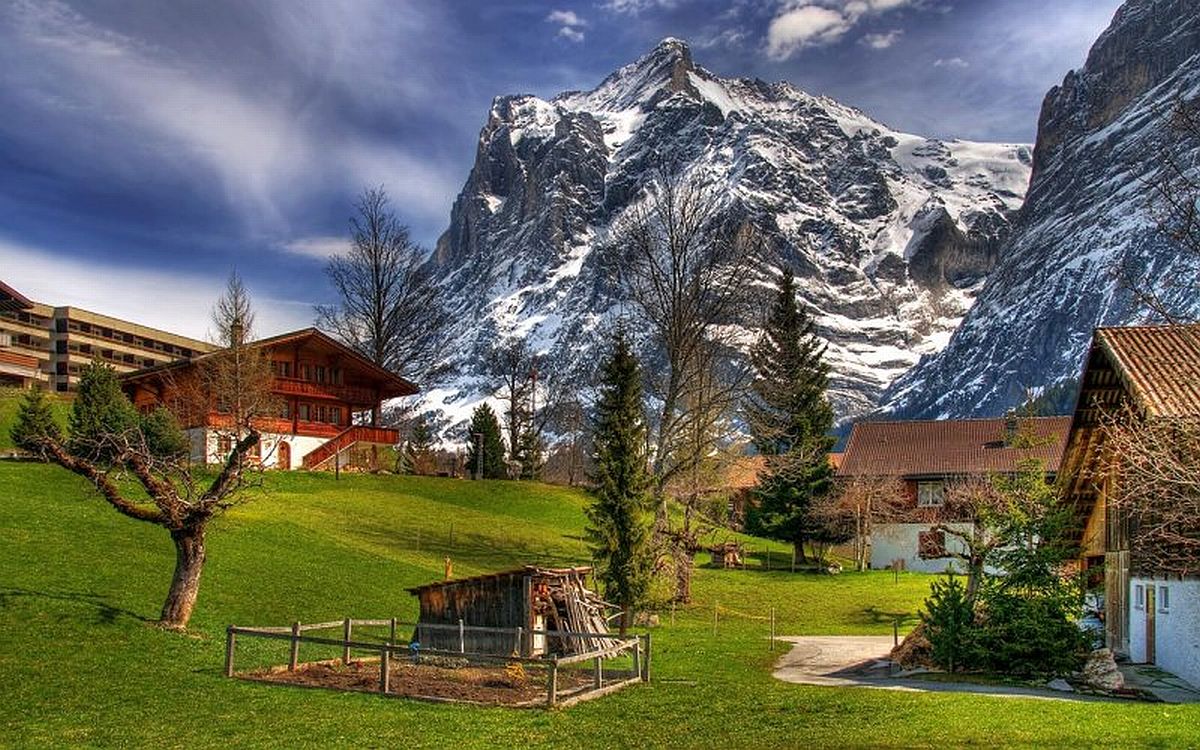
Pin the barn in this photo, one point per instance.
(529, 611)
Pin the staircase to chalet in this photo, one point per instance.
(347, 438)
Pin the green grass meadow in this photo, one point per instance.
(81, 665)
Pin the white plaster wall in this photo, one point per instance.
(1176, 631)
(204, 447)
(893, 541)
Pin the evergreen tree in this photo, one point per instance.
(35, 422)
(485, 424)
(420, 447)
(101, 413)
(529, 453)
(162, 433)
(619, 518)
(790, 419)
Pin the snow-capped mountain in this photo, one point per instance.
(890, 234)
(1087, 228)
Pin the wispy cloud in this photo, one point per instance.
(882, 40)
(951, 62)
(320, 247)
(814, 23)
(570, 24)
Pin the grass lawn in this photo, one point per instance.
(79, 665)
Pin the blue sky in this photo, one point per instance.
(146, 148)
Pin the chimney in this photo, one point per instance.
(1011, 427)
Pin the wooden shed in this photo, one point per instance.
(520, 611)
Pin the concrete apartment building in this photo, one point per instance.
(46, 347)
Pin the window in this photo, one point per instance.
(320, 374)
(1139, 597)
(320, 413)
(224, 445)
(335, 415)
(930, 494)
(1164, 599)
(304, 412)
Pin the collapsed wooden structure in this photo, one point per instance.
(530, 611)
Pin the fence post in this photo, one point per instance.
(637, 656)
(772, 629)
(768, 558)
(520, 641)
(392, 633)
(715, 606)
(385, 683)
(552, 684)
(462, 637)
(230, 644)
(646, 661)
(347, 627)
(672, 611)
(294, 656)
(895, 632)
(598, 674)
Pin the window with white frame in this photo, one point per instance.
(1164, 599)
(930, 494)
(1139, 597)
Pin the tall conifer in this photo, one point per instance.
(485, 433)
(790, 419)
(619, 519)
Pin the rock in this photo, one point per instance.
(1060, 685)
(1101, 673)
(833, 569)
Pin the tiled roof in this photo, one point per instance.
(949, 447)
(1160, 365)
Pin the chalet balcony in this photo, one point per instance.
(347, 394)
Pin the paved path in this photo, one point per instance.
(861, 661)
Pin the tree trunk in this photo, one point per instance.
(626, 617)
(798, 549)
(185, 583)
(683, 574)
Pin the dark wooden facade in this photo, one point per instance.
(528, 598)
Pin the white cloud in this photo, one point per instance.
(633, 7)
(320, 247)
(882, 40)
(813, 23)
(951, 62)
(570, 24)
(180, 303)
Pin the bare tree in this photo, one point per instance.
(862, 502)
(389, 307)
(1157, 465)
(170, 492)
(688, 269)
(514, 366)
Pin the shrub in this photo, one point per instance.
(949, 625)
(1029, 634)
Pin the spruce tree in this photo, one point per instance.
(790, 419)
(619, 518)
(485, 424)
(100, 414)
(35, 422)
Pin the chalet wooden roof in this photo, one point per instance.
(11, 299)
(948, 447)
(1159, 366)
(398, 386)
(522, 571)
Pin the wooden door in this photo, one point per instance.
(283, 459)
(1151, 610)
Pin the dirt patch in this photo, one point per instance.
(492, 685)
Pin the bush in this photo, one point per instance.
(1029, 635)
(950, 625)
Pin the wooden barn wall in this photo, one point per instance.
(496, 603)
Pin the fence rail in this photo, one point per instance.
(637, 646)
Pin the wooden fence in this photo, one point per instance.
(611, 647)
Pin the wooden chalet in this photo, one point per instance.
(1155, 372)
(329, 399)
(514, 611)
(926, 455)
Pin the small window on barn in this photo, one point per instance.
(1139, 597)
(1164, 599)
(931, 544)
(930, 494)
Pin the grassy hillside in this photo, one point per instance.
(79, 664)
